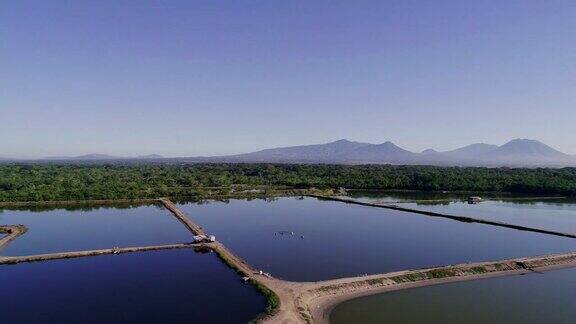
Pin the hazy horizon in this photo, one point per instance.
(255, 150)
(214, 78)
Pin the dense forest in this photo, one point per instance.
(44, 182)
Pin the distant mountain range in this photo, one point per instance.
(518, 153)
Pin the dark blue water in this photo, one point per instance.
(404, 196)
(176, 286)
(60, 230)
(534, 298)
(549, 214)
(428, 197)
(342, 240)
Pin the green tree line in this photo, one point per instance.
(46, 182)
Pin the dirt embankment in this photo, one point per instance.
(193, 227)
(13, 232)
(464, 219)
(320, 298)
(88, 253)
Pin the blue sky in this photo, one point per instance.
(184, 78)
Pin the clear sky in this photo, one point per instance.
(186, 78)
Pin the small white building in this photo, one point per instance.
(474, 200)
(204, 238)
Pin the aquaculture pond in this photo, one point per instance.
(175, 286)
(428, 197)
(310, 239)
(87, 228)
(533, 298)
(402, 196)
(554, 215)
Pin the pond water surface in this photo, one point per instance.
(402, 196)
(60, 230)
(334, 239)
(549, 214)
(533, 298)
(171, 286)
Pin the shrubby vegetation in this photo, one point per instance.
(44, 182)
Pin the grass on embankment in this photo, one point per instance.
(272, 298)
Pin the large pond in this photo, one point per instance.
(60, 230)
(549, 214)
(333, 239)
(176, 286)
(403, 196)
(440, 198)
(533, 298)
(553, 215)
